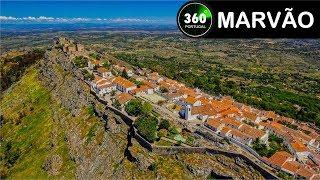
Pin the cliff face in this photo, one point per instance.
(58, 75)
(46, 117)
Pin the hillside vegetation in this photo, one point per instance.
(34, 143)
(13, 65)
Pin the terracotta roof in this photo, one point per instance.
(173, 95)
(102, 82)
(305, 137)
(124, 97)
(264, 124)
(102, 70)
(279, 158)
(298, 146)
(204, 110)
(188, 91)
(140, 89)
(204, 100)
(96, 62)
(307, 173)
(231, 110)
(150, 84)
(214, 123)
(190, 100)
(239, 134)
(154, 76)
(276, 125)
(291, 166)
(123, 82)
(270, 114)
(286, 119)
(154, 73)
(250, 115)
(230, 122)
(225, 129)
(251, 131)
(220, 105)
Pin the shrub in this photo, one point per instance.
(90, 110)
(164, 124)
(80, 61)
(153, 167)
(124, 74)
(87, 75)
(106, 64)
(162, 133)
(113, 93)
(116, 104)
(95, 56)
(173, 130)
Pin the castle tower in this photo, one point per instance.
(187, 112)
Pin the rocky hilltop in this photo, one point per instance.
(50, 130)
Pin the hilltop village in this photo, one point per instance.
(280, 143)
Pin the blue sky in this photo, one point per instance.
(142, 10)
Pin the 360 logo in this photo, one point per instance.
(195, 19)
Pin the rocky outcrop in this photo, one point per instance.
(198, 171)
(53, 165)
(59, 75)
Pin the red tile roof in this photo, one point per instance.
(190, 100)
(124, 97)
(292, 166)
(225, 129)
(214, 123)
(238, 134)
(123, 82)
(279, 158)
(305, 172)
(298, 146)
(203, 110)
(231, 110)
(230, 122)
(251, 131)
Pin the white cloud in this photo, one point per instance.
(44, 19)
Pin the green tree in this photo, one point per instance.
(116, 104)
(146, 108)
(87, 75)
(163, 89)
(106, 64)
(124, 74)
(147, 126)
(260, 148)
(135, 107)
(113, 92)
